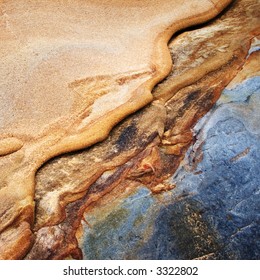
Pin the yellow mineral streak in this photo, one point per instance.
(71, 70)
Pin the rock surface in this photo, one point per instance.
(144, 192)
(212, 212)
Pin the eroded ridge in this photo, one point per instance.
(70, 72)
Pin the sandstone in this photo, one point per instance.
(71, 73)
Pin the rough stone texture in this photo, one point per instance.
(70, 71)
(160, 187)
(144, 151)
(213, 213)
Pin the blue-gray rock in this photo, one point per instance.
(214, 211)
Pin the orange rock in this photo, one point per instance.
(71, 70)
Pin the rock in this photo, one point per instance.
(212, 211)
(125, 191)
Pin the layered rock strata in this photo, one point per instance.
(212, 211)
(43, 217)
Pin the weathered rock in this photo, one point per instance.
(213, 210)
(68, 76)
(212, 213)
(147, 147)
(120, 193)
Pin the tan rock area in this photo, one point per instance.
(71, 71)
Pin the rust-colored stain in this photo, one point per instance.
(144, 148)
